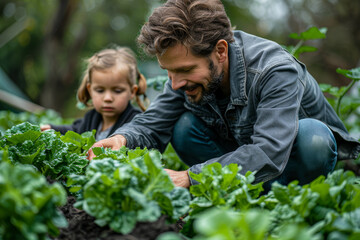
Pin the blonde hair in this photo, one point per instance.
(108, 58)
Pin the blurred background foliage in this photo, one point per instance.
(43, 44)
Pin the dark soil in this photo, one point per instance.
(82, 226)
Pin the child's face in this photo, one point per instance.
(110, 93)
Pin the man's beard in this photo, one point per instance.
(208, 95)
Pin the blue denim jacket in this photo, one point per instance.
(270, 92)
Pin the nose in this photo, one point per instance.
(108, 96)
(177, 82)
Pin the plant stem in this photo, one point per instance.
(297, 47)
(342, 95)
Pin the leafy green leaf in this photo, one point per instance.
(310, 34)
(353, 74)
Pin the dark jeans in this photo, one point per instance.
(314, 152)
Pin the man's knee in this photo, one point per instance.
(188, 131)
(183, 128)
(316, 146)
(194, 141)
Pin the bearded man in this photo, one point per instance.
(232, 97)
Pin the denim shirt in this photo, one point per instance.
(270, 92)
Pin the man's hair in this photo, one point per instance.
(197, 24)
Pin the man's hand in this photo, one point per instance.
(179, 178)
(114, 142)
(45, 127)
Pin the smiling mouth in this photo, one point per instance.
(191, 90)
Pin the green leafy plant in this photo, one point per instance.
(131, 188)
(251, 224)
(224, 186)
(158, 82)
(345, 105)
(28, 204)
(323, 204)
(312, 33)
(9, 119)
(219, 186)
(171, 160)
(53, 155)
(231, 225)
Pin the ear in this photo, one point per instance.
(134, 90)
(88, 87)
(221, 50)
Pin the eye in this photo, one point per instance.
(99, 90)
(187, 69)
(118, 90)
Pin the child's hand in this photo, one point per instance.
(45, 127)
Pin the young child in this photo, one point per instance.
(110, 81)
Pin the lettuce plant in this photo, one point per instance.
(224, 186)
(329, 205)
(28, 203)
(218, 223)
(53, 155)
(131, 188)
(219, 186)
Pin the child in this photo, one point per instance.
(111, 80)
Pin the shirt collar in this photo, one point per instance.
(237, 75)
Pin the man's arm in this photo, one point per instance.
(153, 128)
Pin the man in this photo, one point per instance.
(233, 97)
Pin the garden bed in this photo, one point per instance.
(82, 227)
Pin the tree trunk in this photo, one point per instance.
(60, 58)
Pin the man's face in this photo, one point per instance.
(199, 77)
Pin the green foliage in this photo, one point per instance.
(53, 155)
(221, 187)
(157, 83)
(251, 224)
(353, 74)
(132, 187)
(224, 186)
(327, 208)
(74, 25)
(171, 160)
(28, 204)
(123, 187)
(311, 34)
(320, 204)
(9, 119)
(169, 157)
(230, 225)
(346, 105)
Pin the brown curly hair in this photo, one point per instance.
(197, 24)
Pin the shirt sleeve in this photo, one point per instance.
(64, 128)
(153, 128)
